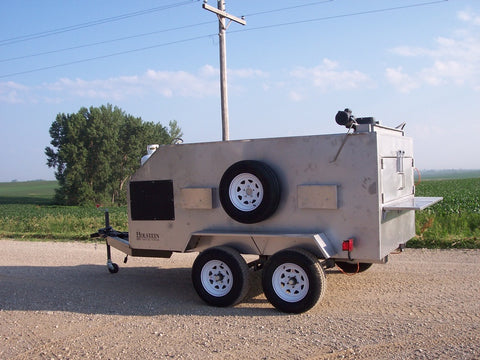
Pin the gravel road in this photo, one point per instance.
(58, 301)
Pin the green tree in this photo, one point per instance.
(95, 150)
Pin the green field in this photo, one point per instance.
(27, 212)
(30, 192)
(454, 222)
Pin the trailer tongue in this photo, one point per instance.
(301, 204)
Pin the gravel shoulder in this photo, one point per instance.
(58, 301)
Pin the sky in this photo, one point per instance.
(290, 69)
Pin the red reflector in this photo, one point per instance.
(347, 245)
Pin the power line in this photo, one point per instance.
(341, 16)
(156, 32)
(42, 34)
(106, 41)
(288, 8)
(107, 55)
(234, 31)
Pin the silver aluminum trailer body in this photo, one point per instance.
(329, 189)
(353, 196)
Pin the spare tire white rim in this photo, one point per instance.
(246, 192)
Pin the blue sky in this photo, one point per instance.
(290, 69)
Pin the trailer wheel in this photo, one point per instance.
(352, 268)
(249, 191)
(293, 280)
(220, 276)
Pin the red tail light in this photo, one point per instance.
(347, 245)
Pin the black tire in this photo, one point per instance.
(293, 280)
(249, 191)
(352, 268)
(220, 276)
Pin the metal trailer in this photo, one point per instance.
(301, 204)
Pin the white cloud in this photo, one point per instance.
(208, 71)
(453, 60)
(112, 88)
(295, 96)
(246, 73)
(180, 83)
(12, 92)
(403, 82)
(408, 51)
(469, 17)
(328, 76)
(203, 83)
(449, 71)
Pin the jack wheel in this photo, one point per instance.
(112, 268)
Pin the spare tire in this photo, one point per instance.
(249, 191)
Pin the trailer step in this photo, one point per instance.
(411, 203)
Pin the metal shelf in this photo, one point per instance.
(411, 203)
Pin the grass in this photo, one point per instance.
(29, 192)
(454, 222)
(27, 212)
(49, 222)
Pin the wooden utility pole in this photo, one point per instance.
(222, 28)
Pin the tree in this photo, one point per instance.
(96, 150)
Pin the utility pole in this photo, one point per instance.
(222, 28)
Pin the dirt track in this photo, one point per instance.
(58, 301)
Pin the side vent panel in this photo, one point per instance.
(152, 200)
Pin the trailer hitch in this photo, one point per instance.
(106, 232)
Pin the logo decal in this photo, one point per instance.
(147, 236)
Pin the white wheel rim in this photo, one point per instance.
(290, 282)
(217, 278)
(246, 192)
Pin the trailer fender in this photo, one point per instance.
(262, 243)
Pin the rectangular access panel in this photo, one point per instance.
(152, 200)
